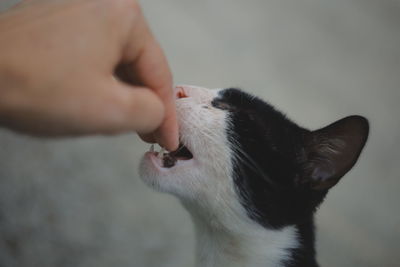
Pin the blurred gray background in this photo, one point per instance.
(80, 202)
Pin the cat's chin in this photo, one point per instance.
(158, 163)
(164, 178)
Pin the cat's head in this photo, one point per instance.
(242, 159)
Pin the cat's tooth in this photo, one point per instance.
(152, 148)
(161, 153)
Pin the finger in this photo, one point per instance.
(125, 73)
(149, 68)
(142, 111)
(122, 108)
(148, 138)
(100, 107)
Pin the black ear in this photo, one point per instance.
(332, 151)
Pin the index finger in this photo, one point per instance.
(149, 67)
(152, 70)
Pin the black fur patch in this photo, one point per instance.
(282, 172)
(268, 157)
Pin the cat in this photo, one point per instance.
(251, 178)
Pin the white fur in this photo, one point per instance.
(225, 234)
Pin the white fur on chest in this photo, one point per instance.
(264, 248)
(223, 241)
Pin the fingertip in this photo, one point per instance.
(167, 135)
(148, 138)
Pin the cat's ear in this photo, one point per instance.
(332, 151)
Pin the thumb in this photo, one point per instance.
(131, 108)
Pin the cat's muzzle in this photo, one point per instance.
(169, 159)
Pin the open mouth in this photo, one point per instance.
(169, 159)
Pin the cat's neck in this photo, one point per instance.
(237, 243)
(250, 247)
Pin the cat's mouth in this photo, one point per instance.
(170, 159)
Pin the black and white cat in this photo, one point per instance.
(250, 178)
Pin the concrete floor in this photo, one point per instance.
(80, 202)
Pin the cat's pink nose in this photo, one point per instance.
(180, 92)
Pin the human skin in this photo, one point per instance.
(82, 67)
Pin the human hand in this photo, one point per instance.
(58, 61)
